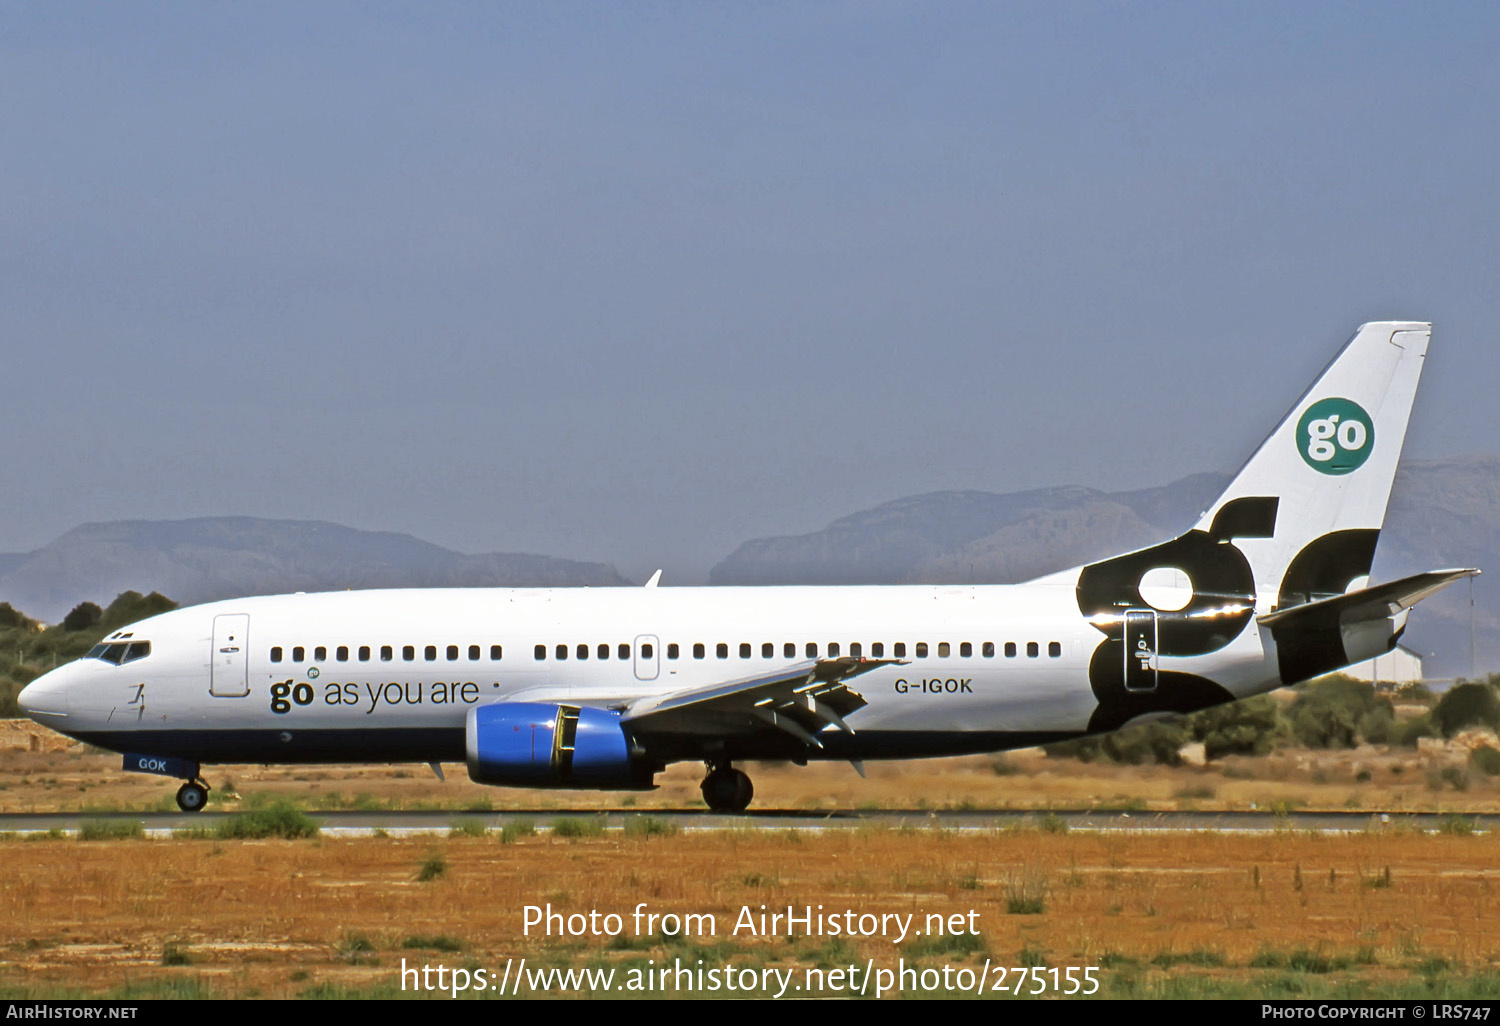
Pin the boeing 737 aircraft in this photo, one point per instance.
(603, 688)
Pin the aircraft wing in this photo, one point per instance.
(800, 700)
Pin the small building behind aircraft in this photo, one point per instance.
(1399, 666)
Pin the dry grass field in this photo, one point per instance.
(44, 772)
(1190, 915)
(1388, 912)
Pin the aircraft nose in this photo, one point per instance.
(47, 695)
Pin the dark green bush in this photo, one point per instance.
(1338, 712)
(1466, 705)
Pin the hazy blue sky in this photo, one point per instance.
(636, 282)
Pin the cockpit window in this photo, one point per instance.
(110, 653)
(120, 652)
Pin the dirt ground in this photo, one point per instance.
(1389, 912)
(1395, 913)
(41, 771)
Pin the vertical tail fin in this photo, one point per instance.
(1295, 528)
(1306, 509)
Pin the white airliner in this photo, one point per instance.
(602, 688)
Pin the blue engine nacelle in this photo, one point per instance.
(535, 744)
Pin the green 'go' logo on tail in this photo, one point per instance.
(1335, 436)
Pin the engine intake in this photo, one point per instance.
(534, 744)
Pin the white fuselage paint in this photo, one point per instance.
(170, 689)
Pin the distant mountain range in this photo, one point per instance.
(1442, 514)
(223, 557)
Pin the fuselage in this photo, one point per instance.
(391, 675)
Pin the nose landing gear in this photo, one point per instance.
(726, 789)
(192, 796)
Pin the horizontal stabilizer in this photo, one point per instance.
(1331, 633)
(1381, 601)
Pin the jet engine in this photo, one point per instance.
(536, 744)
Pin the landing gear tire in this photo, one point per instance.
(727, 790)
(191, 797)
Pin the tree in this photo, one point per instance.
(1466, 705)
(83, 616)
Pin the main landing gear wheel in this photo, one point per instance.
(727, 790)
(191, 797)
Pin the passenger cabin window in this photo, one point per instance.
(812, 650)
(495, 653)
(833, 648)
(603, 650)
(877, 649)
(672, 650)
(453, 653)
(583, 651)
(320, 653)
(855, 650)
(276, 654)
(698, 651)
(409, 653)
(722, 650)
(965, 649)
(473, 653)
(899, 650)
(767, 650)
(744, 650)
(989, 649)
(1010, 650)
(342, 653)
(430, 653)
(1054, 649)
(297, 654)
(387, 653)
(921, 650)
(789, 650)
(942, 649)
(562, 651)
(624, 650)
(647, 650)
(364, 653)
(541, 653)
(1033, 649)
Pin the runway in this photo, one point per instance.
(404, 822)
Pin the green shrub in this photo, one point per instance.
(280, 818)
(111, 830)
(572, 827)
(1486, 760)
(440, 943)
(1467, 705)
(1250, 727)
(650, 826)
(1407, 732)
(466, 826)
(1339, 712)
(433, 867)
(515, 829)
